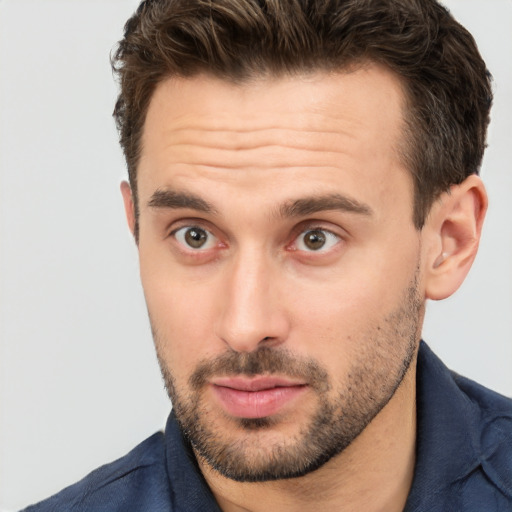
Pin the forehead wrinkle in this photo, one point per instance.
(314, 140)
(322, 150)
(265, 157)
(265, 121)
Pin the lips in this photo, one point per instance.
(257, 397)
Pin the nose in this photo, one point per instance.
(251, 311)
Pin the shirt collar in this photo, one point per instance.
(189, 490)
(448, 441)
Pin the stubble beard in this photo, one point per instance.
(385, 355)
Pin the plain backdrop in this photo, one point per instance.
(79, 383)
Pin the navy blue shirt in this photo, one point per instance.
(463, 463)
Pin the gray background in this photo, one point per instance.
(79, 384)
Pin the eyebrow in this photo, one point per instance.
(309, 205)
(172, 199)
(165, 198)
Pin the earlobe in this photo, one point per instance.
(453, 230)
(129, 207)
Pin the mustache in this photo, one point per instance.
(264, 361)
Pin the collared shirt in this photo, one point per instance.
(463, 462)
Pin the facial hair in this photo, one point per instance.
(341, 412)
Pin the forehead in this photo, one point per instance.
(317, 127)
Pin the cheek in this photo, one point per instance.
(329, 323)
(346, 300)
(340, 315)
(181, 317)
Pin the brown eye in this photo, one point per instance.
(314, 240)
(194, 237)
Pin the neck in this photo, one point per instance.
(373, 474)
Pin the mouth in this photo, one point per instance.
(256, 397)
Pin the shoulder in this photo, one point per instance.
(137, 480)
(490, 402)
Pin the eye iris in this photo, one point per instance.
(195, 237)
(314, 240)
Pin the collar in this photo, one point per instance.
(189, 490)
(456, 434)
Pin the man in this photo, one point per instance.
(302, 177)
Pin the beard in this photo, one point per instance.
(342, 410)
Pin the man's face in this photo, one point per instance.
(279, 261)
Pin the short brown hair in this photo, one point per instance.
(448, 88)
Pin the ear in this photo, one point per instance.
(453, 229)
(129, 207)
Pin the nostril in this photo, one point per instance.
(269, 341)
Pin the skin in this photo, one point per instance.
(248, 152)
